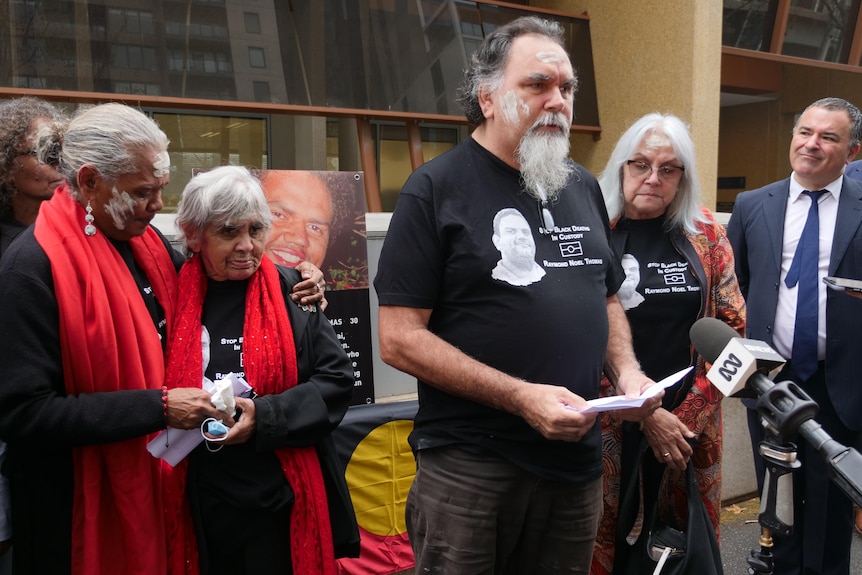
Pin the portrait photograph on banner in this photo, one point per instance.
(319, 217)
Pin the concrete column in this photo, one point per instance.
(654, 56)
(298, 142)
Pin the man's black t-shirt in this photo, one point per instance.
(441, 253)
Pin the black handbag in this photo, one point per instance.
(691, 549)
(690, 552)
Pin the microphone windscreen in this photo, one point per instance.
(710, 336)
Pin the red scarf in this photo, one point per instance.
(269, 356)
(108, 343)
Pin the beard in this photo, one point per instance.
(543, 157)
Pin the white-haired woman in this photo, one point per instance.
(685, 268)
(86, 301)
(259, 497)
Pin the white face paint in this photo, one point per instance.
(549, 57)
(162, 165)
(121, 208)
(512, 107)
(656, 140)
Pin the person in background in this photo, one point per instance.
(260, 502)
(685, 271)
(854, 171)
(509, 470)
(786, 237)
(24, 184)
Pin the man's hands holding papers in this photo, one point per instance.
(667, 435)
(634, 401)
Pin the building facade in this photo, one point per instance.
(371, 84)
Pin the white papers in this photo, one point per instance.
(173, 445)
(622, 402)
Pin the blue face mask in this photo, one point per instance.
(214, 427)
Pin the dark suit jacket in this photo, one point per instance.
(854, 170)
(756, 232)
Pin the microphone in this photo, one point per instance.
(734, 359)
(784, 408)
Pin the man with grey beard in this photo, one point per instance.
(508, 466)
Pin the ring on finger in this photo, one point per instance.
(666, 454)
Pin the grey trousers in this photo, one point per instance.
(478, 514)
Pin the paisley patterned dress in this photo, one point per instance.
(700, 409)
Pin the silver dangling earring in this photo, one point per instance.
(89, 228)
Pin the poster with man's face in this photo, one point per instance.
(319, 217)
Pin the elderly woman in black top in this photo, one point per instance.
(679, 268)
(86, 294)
(259, 499)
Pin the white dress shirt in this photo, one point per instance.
(795, 215)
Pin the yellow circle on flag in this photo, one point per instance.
(379, 476)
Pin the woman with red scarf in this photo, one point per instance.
(269, 498)
(86, 299)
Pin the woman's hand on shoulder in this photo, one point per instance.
(312, 287)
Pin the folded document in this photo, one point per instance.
(623, 402)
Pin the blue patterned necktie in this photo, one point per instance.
(803, 271)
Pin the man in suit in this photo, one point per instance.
(765, 230)
(854, 170)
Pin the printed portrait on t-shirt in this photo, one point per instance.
(628, 294)
(513, 238)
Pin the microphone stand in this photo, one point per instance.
(785, 410)
(781, 410)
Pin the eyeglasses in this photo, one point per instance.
(642, 170)
(27, 153)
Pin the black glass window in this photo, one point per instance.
(819, 30)
(748, 23)
(395, 56)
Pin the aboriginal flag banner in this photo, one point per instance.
(379, 466)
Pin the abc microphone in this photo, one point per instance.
(784, 408)
(734, 359)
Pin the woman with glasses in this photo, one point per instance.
(682, 266)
